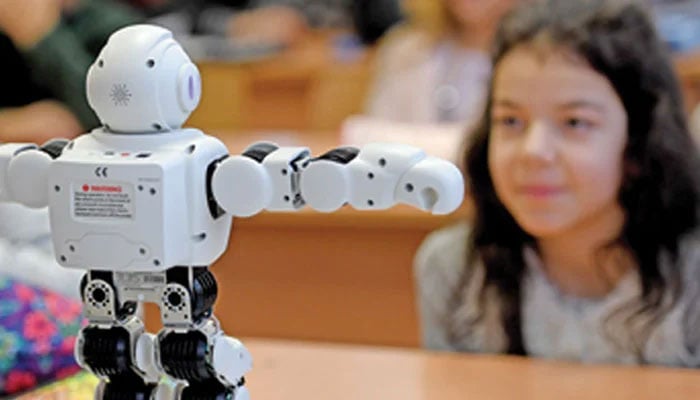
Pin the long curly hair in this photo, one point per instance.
(661, 186)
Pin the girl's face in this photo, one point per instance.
(475, 13)
(557, 139)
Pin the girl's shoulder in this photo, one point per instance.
(445, 275)
(442, 256)
(445, 246)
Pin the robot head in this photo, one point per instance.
(143, 81)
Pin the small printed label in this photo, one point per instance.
(154, 279)
(103, 200)
(139, 280)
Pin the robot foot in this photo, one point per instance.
(212, 390)
(206, 390)
(131, 388)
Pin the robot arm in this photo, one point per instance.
(379, 176)
(265, 176)
(375, 177)
(24, 169)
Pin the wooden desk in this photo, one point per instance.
(313, 371)
(287, 370)
(305, 87)
(343, 277)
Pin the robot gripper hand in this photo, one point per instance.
(374, 177)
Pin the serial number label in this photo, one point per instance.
(140, 281)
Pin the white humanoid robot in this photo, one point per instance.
(145, 206)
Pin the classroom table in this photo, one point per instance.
(342, 277)
(290, 370)
(313, 85)
(310, 371)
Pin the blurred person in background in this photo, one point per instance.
(435, 67)
(431, 76)
(46, 47)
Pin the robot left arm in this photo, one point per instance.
(24, 171)
(376, 176)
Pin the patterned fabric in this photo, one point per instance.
(80, 386)
(38, 329)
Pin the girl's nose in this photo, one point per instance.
(539, 143)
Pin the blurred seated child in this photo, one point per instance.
(431, 76)
(435, 68)
(46, 47)
(586, 243)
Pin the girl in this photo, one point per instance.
(585, 244)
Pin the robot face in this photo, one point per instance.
(143, 81)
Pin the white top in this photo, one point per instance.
(419, 80)
(554, 325)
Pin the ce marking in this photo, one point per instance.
(101, 172)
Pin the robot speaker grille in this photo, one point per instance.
(120, 95)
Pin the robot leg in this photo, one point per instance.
(191, 347)
(114, 345)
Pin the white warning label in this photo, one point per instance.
(103, 200)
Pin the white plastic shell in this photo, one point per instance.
(136, 202)
(7, 153)
(244, 187)
(142, 81)
(382, 175)
(231, 359)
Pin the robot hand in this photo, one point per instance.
(376, 177)
(24, 169)
(7, 153)
(379, 176)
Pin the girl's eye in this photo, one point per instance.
(509, 122)
(578, 124)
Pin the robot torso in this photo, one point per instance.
(126, 202)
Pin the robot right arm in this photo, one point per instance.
(374, 177)
(24, 171)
